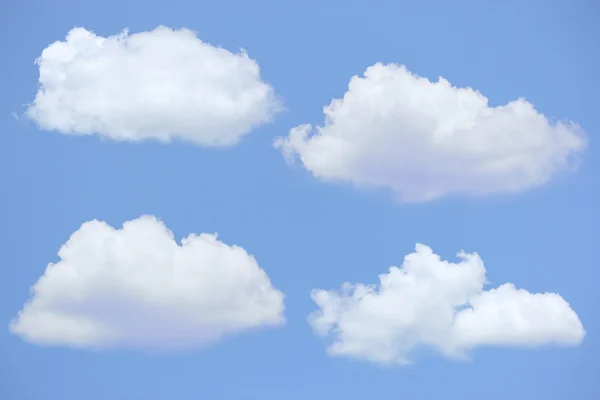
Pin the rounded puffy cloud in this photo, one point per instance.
(425, 140)
(162, 84)
(432, 303)
(136, 287)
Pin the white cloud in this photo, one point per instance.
(431, 303)
(162, 84)
(425, 140)
(136, 287)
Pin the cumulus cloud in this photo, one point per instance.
(424, 140)
(137, 287)
(436, 304)
(160, 85)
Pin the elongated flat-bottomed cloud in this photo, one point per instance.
(137, 287)
(436, 304)
(160, 85)
(424, 140)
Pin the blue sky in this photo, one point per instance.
(305, 232)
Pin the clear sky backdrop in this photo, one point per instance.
(306, 233)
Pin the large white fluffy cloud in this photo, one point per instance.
(160, 85)
(435, 304)
(137, 287)
(425, 140)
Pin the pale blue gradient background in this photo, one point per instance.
(305, 233)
